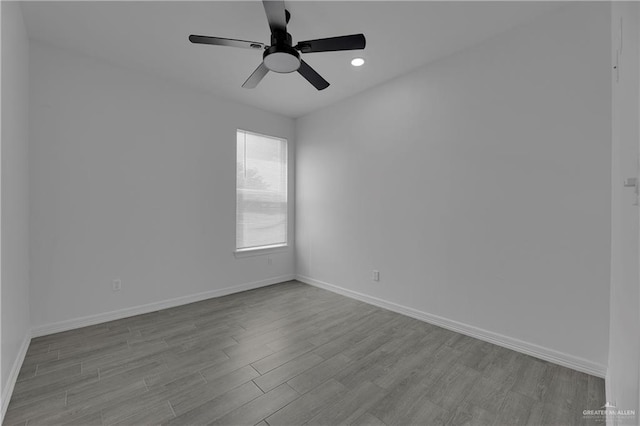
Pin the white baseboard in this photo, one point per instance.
(71, 324)
(556, 357)
(7, 390)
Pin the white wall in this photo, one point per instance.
(133, 178)
(624, 347)
(478, 185)
(15, 212)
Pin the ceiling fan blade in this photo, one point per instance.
(219, 41)
(275, 15)
(332, 44)
(256, 76)
(312, 76)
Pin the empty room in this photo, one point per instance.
(320, 212)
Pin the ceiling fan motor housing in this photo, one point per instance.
(280, 56)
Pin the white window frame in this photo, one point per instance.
(271, 248)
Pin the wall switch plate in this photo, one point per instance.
(116, 285)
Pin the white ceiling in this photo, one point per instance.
(151, 36)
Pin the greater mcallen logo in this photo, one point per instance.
(609, 410)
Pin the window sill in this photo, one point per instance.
(260, 251)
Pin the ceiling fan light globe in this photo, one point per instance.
(282, 62)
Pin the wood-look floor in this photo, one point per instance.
(288, 354)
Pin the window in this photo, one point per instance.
(261, 191)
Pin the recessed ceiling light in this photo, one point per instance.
(357, 62)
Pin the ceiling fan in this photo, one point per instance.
(282, 56)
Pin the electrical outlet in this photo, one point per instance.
(116, 285)
(269, 261)
(376, 275)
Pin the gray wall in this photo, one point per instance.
(479, 187)
(14, 290)
(133, 178)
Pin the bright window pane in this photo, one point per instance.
(261, 191)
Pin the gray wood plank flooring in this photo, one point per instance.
(289, 354)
